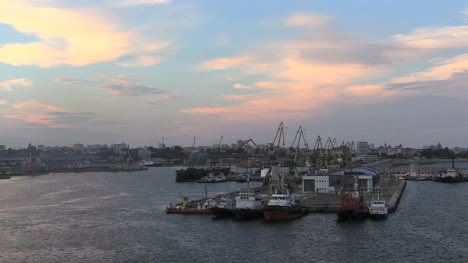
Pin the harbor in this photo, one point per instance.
(121, 217)
(391, 191)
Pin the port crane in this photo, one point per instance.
(194, 140)
(294, 149)
(318, 150)
(246, 142)
(246, 155)
(330, 145)
(276, 146)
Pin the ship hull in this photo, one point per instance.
(378, 216)
(451, 179)
(351, 214)
(176, 210)
(222, 212)
(247, 214)
(281, 213)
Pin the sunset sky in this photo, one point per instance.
(132, 71)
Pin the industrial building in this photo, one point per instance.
(331, 182)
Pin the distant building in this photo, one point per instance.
(120, 147)
(362, 148)
(2, 147)
(97, 146)
(41, 147)
(144, 153)
(458, 150)
(331, 183)
(78, 147)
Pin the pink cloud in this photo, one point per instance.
(435, 37)
(31, 117)
(207, 110)
(307, 20)
(34, 105)
(241, 86)
(223, 63)
(8, 84)
(81, 37)
(443, 69)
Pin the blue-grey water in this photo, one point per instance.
(119, 217)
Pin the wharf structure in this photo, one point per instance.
(320, 193)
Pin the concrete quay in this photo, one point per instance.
(392, 191)
(330, 202)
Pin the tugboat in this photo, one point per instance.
(352, 200)
(282, 206)
(225, 209)
(450, 176)
(378, 207)
(248, 205)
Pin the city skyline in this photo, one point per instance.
(136, 70)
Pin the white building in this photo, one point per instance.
(331, 183)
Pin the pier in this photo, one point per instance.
(392, 191)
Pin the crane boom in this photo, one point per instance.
(279, 137)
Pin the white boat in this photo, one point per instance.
(282, 205)
(378, 207)
(248, 204)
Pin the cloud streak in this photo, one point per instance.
(47, 115)
(127, 85)
(70, 81)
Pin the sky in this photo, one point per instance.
(134, 71)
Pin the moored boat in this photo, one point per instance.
(282, 206)
(248, 205)
(225, 209)
(378, 207)
(185, 208)
(352, 201)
